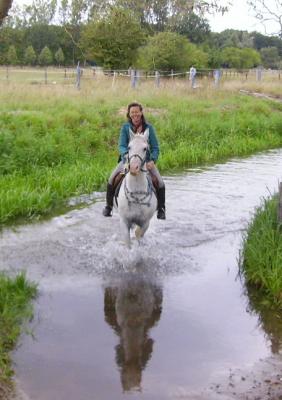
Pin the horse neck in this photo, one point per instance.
(137, 182)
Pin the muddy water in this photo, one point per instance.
(159, 321)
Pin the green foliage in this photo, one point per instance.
(29, 56)
(59, 56)
(262, 253)
(168, 50)
(194, 27)
(270, 57)
(11, 57)
(233, 57)
(45, 57)
(15, 297)
(113, 41)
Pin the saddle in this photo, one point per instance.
(119, 178)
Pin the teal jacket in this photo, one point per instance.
(153, 151)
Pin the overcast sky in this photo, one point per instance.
(240, 17)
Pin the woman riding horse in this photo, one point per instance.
(137, 124)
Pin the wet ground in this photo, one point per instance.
(168, 319)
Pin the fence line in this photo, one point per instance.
(76, 75)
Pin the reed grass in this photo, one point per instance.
(15, 308)
(57, 142)
(261, 259)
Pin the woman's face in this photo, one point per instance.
(135, 114)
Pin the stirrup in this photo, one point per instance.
(107, 211)
(161, 213)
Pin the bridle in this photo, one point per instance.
(143, 161)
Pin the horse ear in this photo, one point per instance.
(146, 134)
(131, 134)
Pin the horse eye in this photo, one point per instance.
(145, 148)
(129, 147)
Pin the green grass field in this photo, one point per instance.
(57, 142)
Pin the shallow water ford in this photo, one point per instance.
(159, 321)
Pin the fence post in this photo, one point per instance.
(45, 75)
(157, 78)
(114, 79)
(133, 78)
(78, 75)
(280, 204)
(7, 73)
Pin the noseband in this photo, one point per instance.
(143, 160)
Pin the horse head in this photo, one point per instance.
(137, 150)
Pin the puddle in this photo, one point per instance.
(158, 321)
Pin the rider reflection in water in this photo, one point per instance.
(137, 124)
(131, 309)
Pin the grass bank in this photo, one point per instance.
(57, 142)
(261, 262)
(15, 307)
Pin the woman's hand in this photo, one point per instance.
(150, 165)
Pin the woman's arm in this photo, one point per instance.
(154, 144)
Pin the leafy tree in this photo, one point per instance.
(29, 56)
(270, 57)
(168, 50)
(45, 57)
(194, 27)
(12, 58)
(40, 12)
(240, 58)
(113, 41)
(59, 56)
(250, 58)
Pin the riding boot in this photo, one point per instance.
(161, 203)
(107, 211)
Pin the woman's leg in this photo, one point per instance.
(160, 193)
(107, 211)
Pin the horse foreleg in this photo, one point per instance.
(140, 230)
(125, 232)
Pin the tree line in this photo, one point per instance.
(147, 34)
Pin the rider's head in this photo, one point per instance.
(135, 113)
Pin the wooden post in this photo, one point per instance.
(45, 76)
(7, 72)
(280, 204)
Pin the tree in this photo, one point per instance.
(12, 58)
(113, 41)
(59, 56)
(169, 50)
(29, 56)
(233, 57)
(40, 12)
(195, 28)
(45, 57)
(269, 14)
(270, 57)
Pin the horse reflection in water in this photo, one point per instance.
(132, 308)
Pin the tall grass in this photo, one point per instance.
(57, 142)
(261, 262)
(15, 307)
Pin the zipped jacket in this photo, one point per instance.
(152, 152)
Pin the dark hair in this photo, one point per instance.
(135, 104)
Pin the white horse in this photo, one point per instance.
(136, 201)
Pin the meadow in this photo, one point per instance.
(57, 141)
